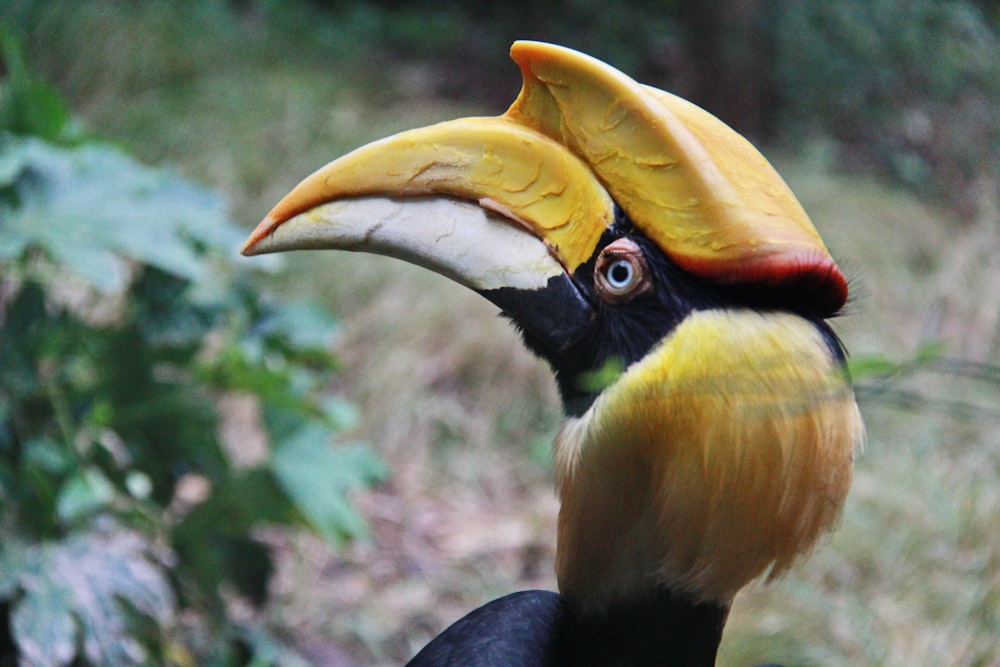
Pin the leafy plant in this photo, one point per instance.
(124, 506)
(930, 122)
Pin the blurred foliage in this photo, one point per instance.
(911, 87)
(929, 381)
(125, 509)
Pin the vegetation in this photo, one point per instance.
(129, 504)
(918, 86)
(248, 97)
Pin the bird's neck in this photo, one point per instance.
(720, 456)
(661, 630)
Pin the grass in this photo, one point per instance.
(251, 103)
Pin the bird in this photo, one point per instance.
(682, 298)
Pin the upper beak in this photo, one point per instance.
(506, 167)
(491, 204)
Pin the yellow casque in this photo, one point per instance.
(699, 189)
(579, 134)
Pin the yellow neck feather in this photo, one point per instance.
(720, 456)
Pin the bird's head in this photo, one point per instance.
(675, 285)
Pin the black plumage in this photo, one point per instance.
(543, 629)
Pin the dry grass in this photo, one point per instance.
(461, 413)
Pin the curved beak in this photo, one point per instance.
(519, 202)
(491, 204)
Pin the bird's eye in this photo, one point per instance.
(620, 273)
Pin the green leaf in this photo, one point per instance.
(29, 106)
(875, 365)
(12, 562)
(929, 352)
(318, 478)
(83, 495)
(90, 206)
(25, 322)
(47, 455)
(303, 324)
(342, 414)
(12, 163)
(164, 314)
(603, 377)
(75, 588)
(100, 568)
(43, 625)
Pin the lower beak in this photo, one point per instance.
(461, 240)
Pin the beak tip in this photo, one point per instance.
(248, 249)
(262, 231)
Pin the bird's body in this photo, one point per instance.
(679, 293)
(541, 629)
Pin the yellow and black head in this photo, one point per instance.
(677, 288)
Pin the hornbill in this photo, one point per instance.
(679, 292)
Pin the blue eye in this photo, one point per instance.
(620, 272)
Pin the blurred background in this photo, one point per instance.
(327, 458)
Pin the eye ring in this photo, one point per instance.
(620, 273)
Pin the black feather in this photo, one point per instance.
(516, 630)
(541, 629)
